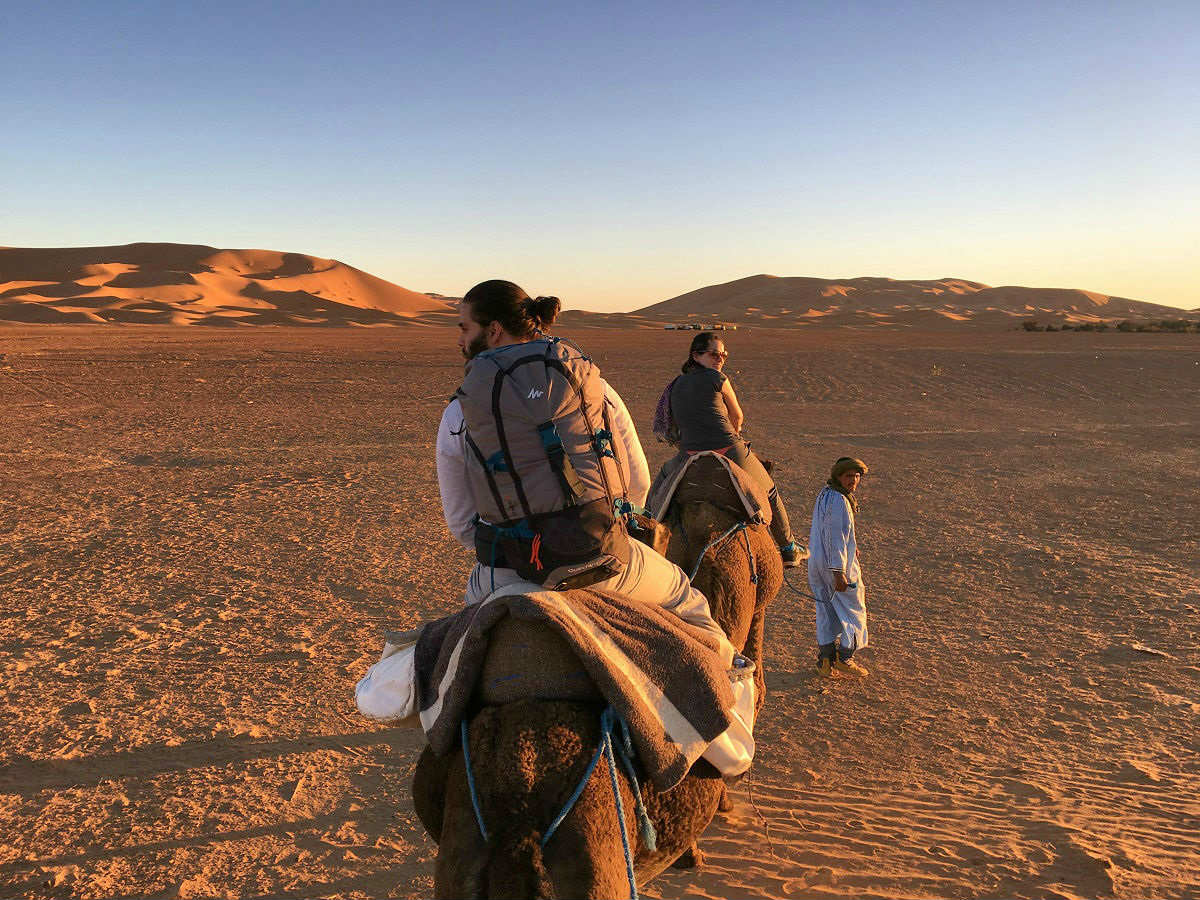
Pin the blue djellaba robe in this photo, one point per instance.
(840, 614)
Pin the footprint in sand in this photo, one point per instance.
(1027, 790)
(1071, 863)
(799, 887)
(1136, 771)
(78, 708)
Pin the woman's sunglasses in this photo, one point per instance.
(719, 354)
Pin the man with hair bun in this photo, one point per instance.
(498, 321)
(834, 574)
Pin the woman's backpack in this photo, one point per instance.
(546, 470)
(664, 426)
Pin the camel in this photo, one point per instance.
(528, 754)
(738, 584)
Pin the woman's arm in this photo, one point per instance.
(732, 408)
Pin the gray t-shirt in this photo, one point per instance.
(699, 410)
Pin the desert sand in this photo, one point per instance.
(202, 533)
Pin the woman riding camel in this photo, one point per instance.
(706, 412)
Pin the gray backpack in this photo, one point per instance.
(546, 470)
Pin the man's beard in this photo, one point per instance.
(477, 345)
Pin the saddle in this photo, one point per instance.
(710, 477)
(709, 481)
(529, 660)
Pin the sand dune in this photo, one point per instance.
(766, 300)
(202, 535)
(184, 284)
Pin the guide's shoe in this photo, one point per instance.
(825, 667)
(850, 667)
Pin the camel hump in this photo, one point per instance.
(529, 660)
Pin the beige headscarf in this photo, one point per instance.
(841, 467)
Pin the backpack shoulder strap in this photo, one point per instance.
(613, 440)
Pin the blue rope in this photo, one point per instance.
(570, 804)
(606, 745)
(699, 559)
(645, 827)
(753, 563)
(797, 591)
(471, 780)
(609, 722)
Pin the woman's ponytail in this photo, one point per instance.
(700, 344)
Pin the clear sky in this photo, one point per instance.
(618, 154)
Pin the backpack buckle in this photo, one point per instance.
(560, 463)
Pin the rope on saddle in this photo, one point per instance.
(645, 827)
(610, 724)
(714, 542)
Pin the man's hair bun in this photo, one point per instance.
(543, 310)
(504, 302)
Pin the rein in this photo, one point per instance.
(732, 529)
(611, 726)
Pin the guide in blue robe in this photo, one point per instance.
(841, 615)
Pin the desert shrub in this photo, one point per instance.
(1175, 326)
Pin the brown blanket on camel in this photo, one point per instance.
(658, 673)
(732, 488)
